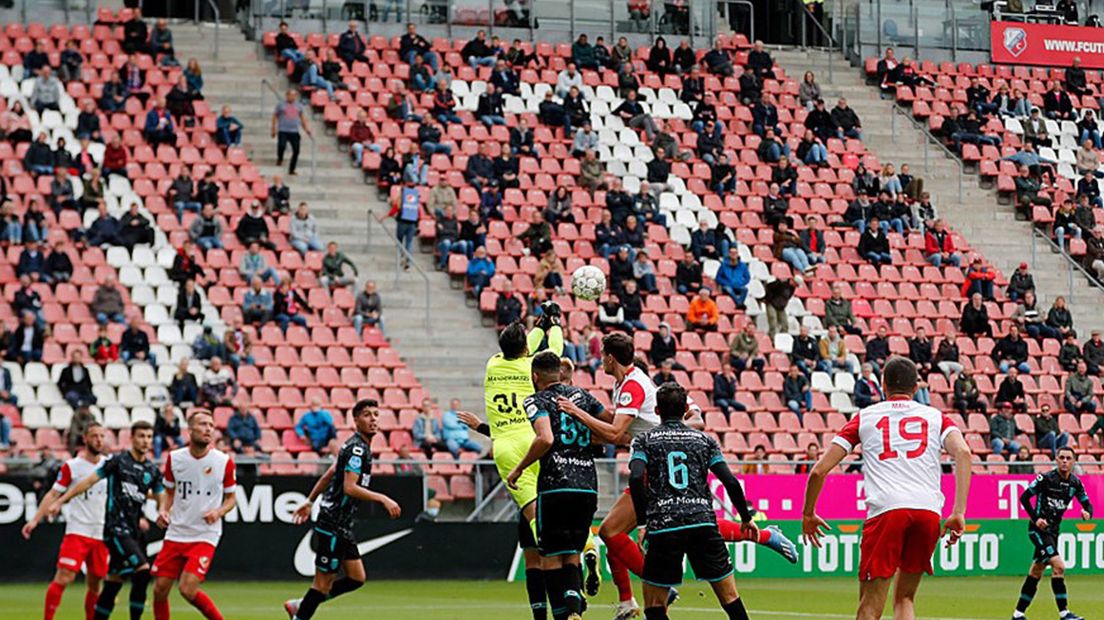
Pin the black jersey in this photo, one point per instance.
(1055, 494)
(677, 460)
(338, 510)
(569, 463)
(129, 482)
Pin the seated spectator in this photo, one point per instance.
(759, 62)
(74, 382)
(243, 432)
(107, 302)
(796, 392)
(743, 350)
(1003, 431)
(455, 432)
(194, 74)
(873, 244)
(480, 271)
(789, 247)
(426, 431)
(39, 158)
(159, 127)
(508, 307)
(724, 389)
(102, 349)
(46, 93)
(549, 274)
(161, 44)
(304, 231)
(975, 318)
(627, 81)
(115, 158)
(35, 59)
(1078, 394)
(134, 228)
(847, 122)
(1057, 104)
(183, 390)
(979, 279)
(611, 315)
(632, 304)
(1087, 187)
(253, 264)
(333, 268)
(351, 46)
(635, 116)
(207, 345)
(939, 246)
(237, 345)
(663, 347)
(868, 390)
(877, 349)
(1060, 320)
(764, 116)
(834, 355)
(219, 387)
(253, 227)
(702, 314)
(1019, 283)
(179, 102)
(228, 129)
(582, 54)
(1070, 353)
(920, 351)
(257, 304)
(185, 265)
(771, 149)
(722, 176)
(115, 95)
(718, 62)
(967, 396)
(59, 268)
(27, 340)
(189, 305)
(505, 79)
(32, 262)
(288, 305)
(313, 75)
(182, 194)
(947, 355)
(733, 278)
(838, 312)
(134, 345)
(1048, 435)
(166, 431)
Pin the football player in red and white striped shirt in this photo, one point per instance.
(902, 442)
(200, 483)
(84, 524)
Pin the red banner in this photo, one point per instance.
(1022, 43)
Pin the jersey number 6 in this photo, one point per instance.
(677, 473)
(906, 434)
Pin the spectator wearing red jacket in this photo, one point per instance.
(939, 247)
(104, 351)
(115, 158)
(979, 279)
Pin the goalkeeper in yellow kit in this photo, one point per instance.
(507, 383)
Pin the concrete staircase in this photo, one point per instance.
(990, 227)
(448, 358)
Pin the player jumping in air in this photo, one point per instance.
(567, 486)
(634, 401)
(1055, 491)
(131, 477)
(84, 526)
(200, 485)
(345, 485)
(901, 444)
(668, 484)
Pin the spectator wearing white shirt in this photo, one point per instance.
(566, 79)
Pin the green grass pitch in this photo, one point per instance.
(949, 598)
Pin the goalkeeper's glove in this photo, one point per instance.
(553, 312)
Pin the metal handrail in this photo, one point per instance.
(929, 138)
(804, 38)
(1036, 234)
(400, 255)
(751, 11)
(313, 143)
(218, 20)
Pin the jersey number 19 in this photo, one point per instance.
(905, 434)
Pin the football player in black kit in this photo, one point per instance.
(1055, 491)
(567, 486)
(668, 480)
(342, 487)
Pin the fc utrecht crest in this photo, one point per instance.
(1015, 41)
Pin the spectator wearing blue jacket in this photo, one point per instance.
(480, 271)
(6, 395)
(316, 426)
(351, 46)
(32, 262)
(426, 431)
(243, 432)
(159, 128)
(764, 116)
(867, 389)
(733, 277)
(228, 129)
(455, 432)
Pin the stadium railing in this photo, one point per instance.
(402, 255)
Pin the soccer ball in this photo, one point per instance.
(588, 282)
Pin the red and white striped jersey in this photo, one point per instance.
(84, 513)
(636, 396)
(901, 441)
(198, 487)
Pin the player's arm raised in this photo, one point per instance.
(955, 524)
(542, 442)
(40, 514)
(352, 488)
(812, 526)
(607, 432)
(75, 490)
(721, 470)
(303, 513)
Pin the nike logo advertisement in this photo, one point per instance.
(304, 557)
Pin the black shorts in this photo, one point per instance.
(331, 549)
(704, 547)
(1046, 545)
(126, 554)
(525, 533)
(564, 520)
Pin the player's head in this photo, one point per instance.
(94, 438)
(617, 352)
(201, 428)
(1066, 457)
(899, 377)
(366, 416)
(141, 437)
(567, 371)
(513, 342)
(546, 369)
(671, 403)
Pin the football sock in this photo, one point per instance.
(571, 576)
(620, 576)
(160, 609)
(655, 613)
(623, 555)
(555, 584)
(1027, 593)
(53, 599)
(139, 582)
(90, 597)
(1058, 584)
(344, 585)
(205, 605)
(735, 610)
(534, 586)
(105, 604)
(309, 604)
(732, 532)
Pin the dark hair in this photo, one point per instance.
(546, 364)
(512, 341)
(899, 376)
(141, 425)
(1072, 452)
(91, 425)
(671, 401)
(363, 405)
(641, 363)
(620, 346)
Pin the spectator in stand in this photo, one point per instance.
(759, 455)
(189, 306)
(1020, 283)
(620, 269)
(789, 247)
(1060, 320)
(257, 303)
(733, 277)
(32, 262)
(705, 110)
(771, 149)
(591, 173)
(975, 318)
(1089, 132)
(134, 345)
(219, 387)
(947, 355)
(448, 237)
(1048, 435)
(361, 137)
(808, 93)
(718, 61)
(304, 231)
(316, 427)
(838, 313)
(967, 396)
(253, 227)
(253, 264)
(288, 119)
(351, 46)
(888, 71)
(183, 389)
(74, 382)
(611, 315)
(368, 309)
(538, 236)
(644, 273)
(684, 58)
(288, 305)
(206, 230)
(35, 59)
(46, 93)
(314, 75)
(764, 115)
(724, 390)
(666, 373)
(207, 345)
(710, 145)
(920, 351)
(508, 307)
(490, 109)
(27, 340)
(1065, 220)
(39, 158)
(159, 127)
(821, 123)
(102, 349)
(939, 246)
(1057, 105)
(505, 168)
(473, 230)
(1011, 352)
(180, 101)
(1070, 353)
(455, 433)
(634, 115)
(805, 353)
(1078, 393)
(237, 345)
(722, 176)
(877, 349)
(115, 95)
(868, 390)
(161, 44)
(431, 140)
(243, 432)
(586, 139)
(549, 274)
(107, 302)
(516, 56)
(632, 304)
(706, 242)
(979, 279)
(796, 393)
(1087, 187)
(582, 54)
(702, 314)
(166, 431)
(426, 430)
(59, 268)
(134, 228)
(505, 79)
(182, 194)
(1093, 260)
(1093, 352)
(1003, 431)
(847, 122)
(659, 58)
(664, 347)
(834, 355)
(688, 275)
(228, 129)
(743, 350)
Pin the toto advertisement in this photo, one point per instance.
(1045, 44)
